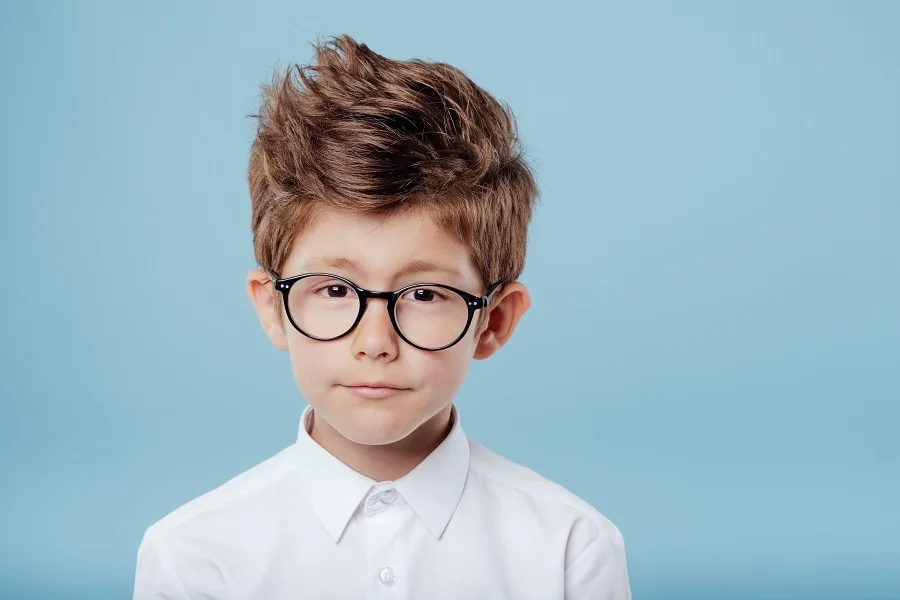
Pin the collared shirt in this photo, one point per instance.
(466, 523)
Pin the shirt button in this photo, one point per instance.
(387, 576)
(389, 496)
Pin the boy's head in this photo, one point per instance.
(385, 174)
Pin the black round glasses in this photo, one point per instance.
(428, 316)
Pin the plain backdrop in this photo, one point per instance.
(713, 354)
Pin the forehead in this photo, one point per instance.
(379, 246)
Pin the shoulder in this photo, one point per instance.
(587, 529)
(233, 502)
(184, 550)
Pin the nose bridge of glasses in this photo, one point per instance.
(369, 294)
(366, 295)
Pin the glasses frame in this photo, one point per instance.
(473, 303)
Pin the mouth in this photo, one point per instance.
(374, 390)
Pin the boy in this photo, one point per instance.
(369, 174)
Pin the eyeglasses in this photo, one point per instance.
(429, 316)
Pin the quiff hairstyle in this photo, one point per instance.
(359, 132)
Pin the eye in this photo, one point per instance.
(425, 295)
(335, 290)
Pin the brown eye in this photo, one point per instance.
(337, 291)
(334, 291)
(424, 295)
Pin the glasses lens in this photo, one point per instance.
(431, 316)
(323, 307)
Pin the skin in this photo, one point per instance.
(383, 438)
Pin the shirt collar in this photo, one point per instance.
(432, 489)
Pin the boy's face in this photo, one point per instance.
(376, 254)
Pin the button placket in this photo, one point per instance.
(386, 516)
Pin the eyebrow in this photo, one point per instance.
(413, 267)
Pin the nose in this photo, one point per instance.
(374, 336)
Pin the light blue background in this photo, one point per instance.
(713, 354)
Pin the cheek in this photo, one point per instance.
(443, 371)
(312, 363)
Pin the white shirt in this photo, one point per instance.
(465, 523)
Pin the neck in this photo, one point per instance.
(387, 462)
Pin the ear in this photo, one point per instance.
(268, 309)
(507, 306)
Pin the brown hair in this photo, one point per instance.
(360, 132)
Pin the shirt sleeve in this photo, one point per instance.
(155, 577)
(599, 571)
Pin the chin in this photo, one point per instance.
(374, 423)
(375, 434)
